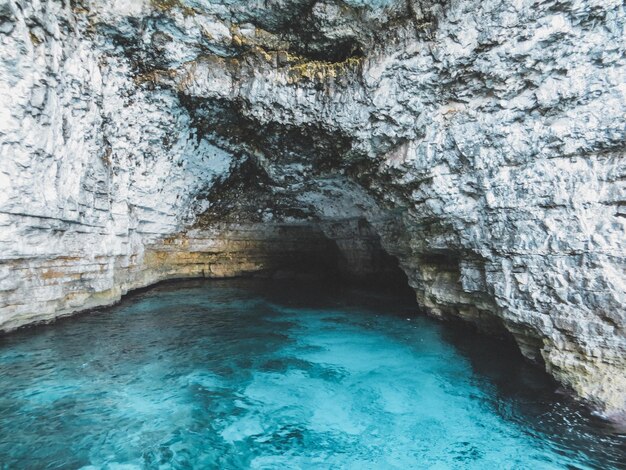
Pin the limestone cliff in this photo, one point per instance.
(483, 141)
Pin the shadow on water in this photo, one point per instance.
(524, 393)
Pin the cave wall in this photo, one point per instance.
(483, 142)
(60, 285)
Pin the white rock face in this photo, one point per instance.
(484, 141)
(92, 168)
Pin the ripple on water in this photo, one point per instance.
(243, 374)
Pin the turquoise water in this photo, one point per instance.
(243, 374)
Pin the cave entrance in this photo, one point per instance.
(348, 251)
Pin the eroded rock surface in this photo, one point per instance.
(483, 141)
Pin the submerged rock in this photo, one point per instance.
(482, 141)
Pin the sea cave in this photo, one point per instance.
(312, 234)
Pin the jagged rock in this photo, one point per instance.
(482, 141)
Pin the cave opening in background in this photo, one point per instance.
(346, 251)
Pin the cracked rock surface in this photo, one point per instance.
(482, 141)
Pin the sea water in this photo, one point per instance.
(244, 374)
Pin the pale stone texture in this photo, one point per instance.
(483, 141)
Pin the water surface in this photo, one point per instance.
(244, 374)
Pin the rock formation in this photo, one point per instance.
(482, 141)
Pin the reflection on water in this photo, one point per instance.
(248, 374)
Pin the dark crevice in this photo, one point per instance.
(274, 163)
(248, 194)
(225, 123)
